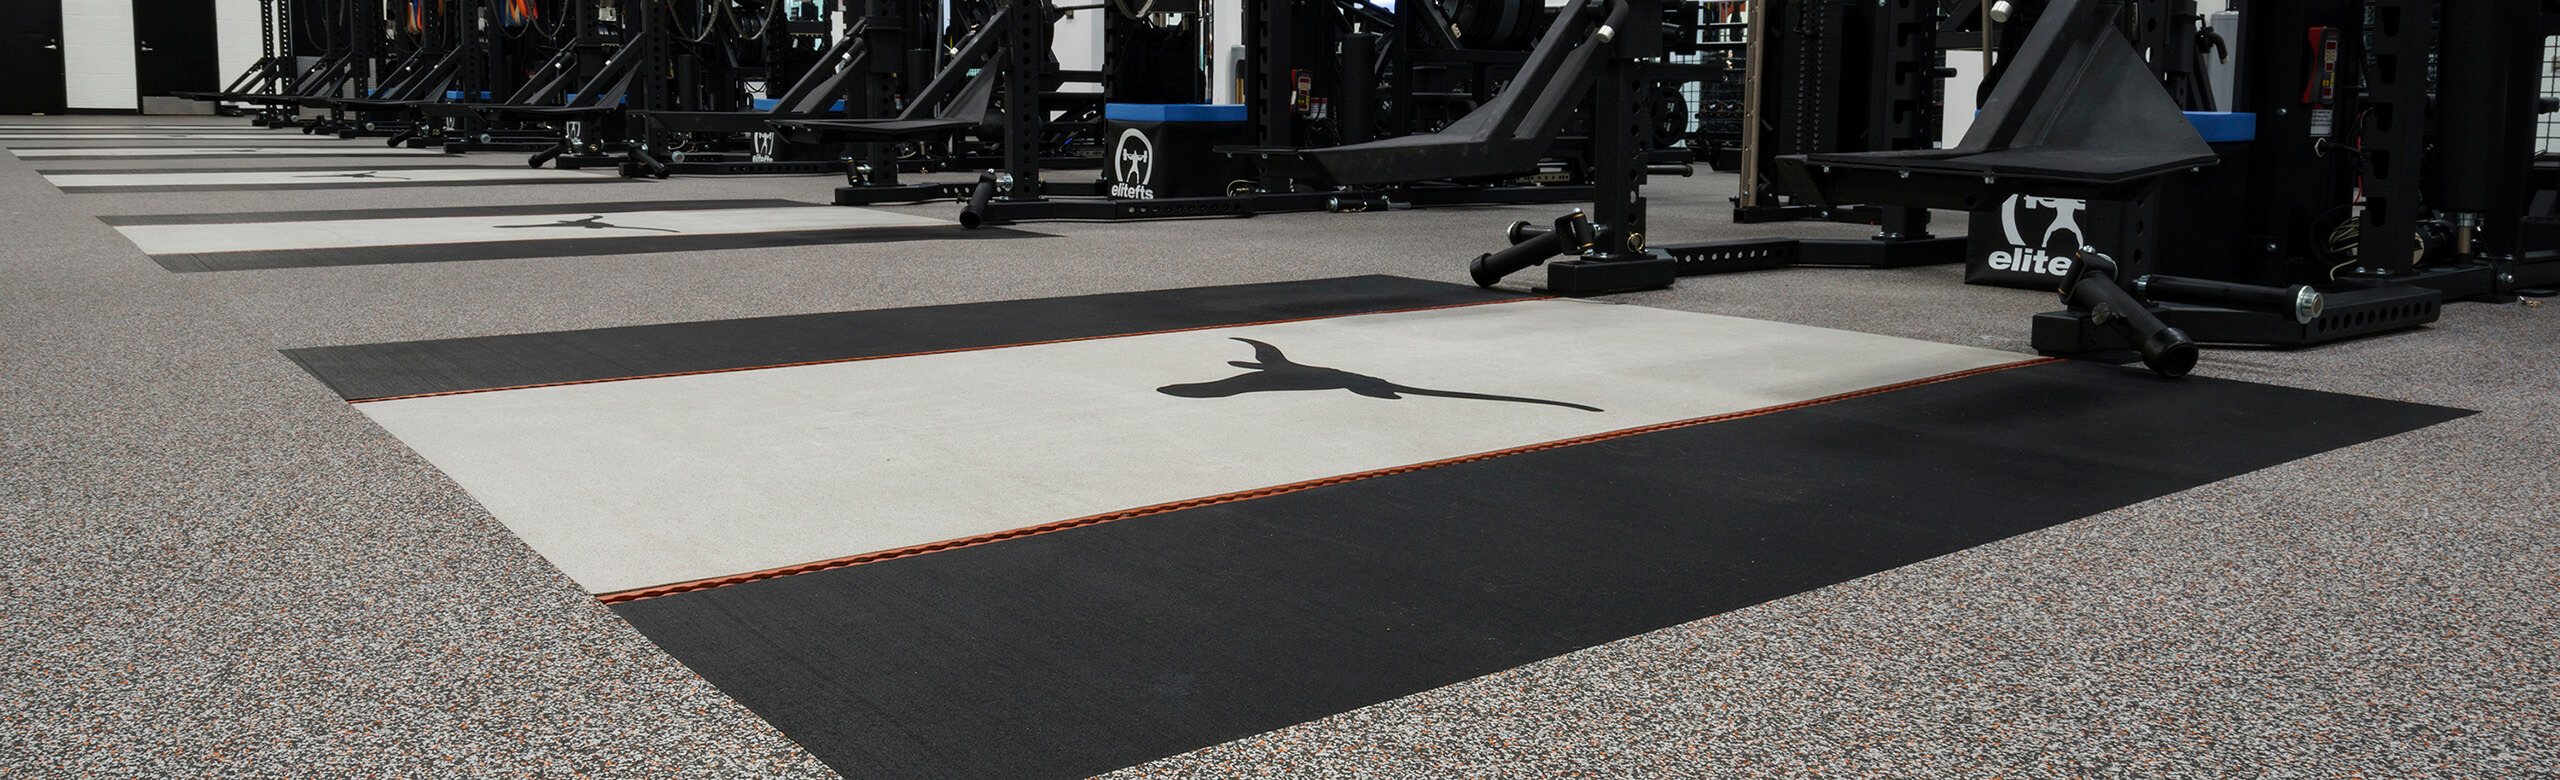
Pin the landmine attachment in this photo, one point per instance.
(974, 215)
(2092, 291)
(548, 154)
(1531, 245)
(2091, 286)
(642, 163)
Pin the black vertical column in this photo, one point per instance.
(2292, 182)
(2471, 95)
(2484, 117)
(1026, 47)
(2176, 57)
(1903, 112)
(657, 56)
(2394, 134)
(1359, 87)
(1263, 74)
(585, 37)
(923, 44)
(1621, 125)
(2164, 33)
(1275, 27)
(362, 20)
(288, 64)
(1812, 79)
(650, 25)
(276, 56)
(495, 76)
(874, 93)
(1400, 119)
(1800, 49)
(2525, 68)
(472, 33)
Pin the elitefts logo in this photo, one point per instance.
(1133, 163)
(2039, 257)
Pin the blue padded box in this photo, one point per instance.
(2219, 127)
(2222, 127)
(1177, 113)
(1156, 150)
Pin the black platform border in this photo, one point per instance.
(362, 372)
(1074, 653)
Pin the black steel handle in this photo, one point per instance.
(2299, 302)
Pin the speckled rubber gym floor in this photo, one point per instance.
(695, 478)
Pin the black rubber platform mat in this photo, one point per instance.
(373, 371)
(1073, 653)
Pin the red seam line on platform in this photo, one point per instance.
(935, 352)
(972, 541)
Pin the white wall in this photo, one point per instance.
(236, 42)
(1226, 32)
(1960, 91)
(2544, 127)
(97, 54)
(1078, 44)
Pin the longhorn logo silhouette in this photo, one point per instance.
(590, 223)
(1271, 371)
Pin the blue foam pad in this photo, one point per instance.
(1172, 112)
(455, 95)
(2220, 127)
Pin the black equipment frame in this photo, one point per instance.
(2078, 113)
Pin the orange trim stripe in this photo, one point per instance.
(954, 544)
(939, 351)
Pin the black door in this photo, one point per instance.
(31, 57)
(173, 47)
